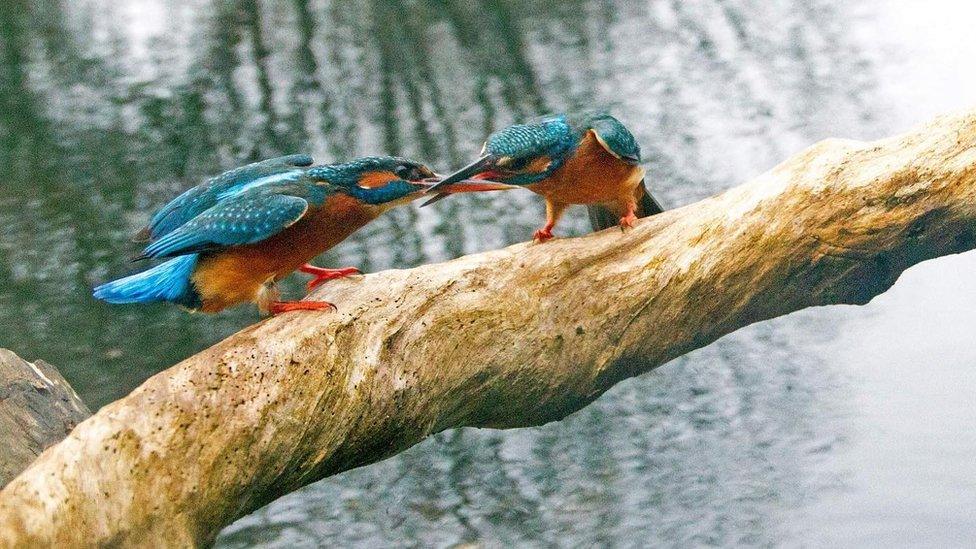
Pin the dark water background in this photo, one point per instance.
(806, 430)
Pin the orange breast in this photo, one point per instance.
(238, 274)
(592, 175)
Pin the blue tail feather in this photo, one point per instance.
(169, 281)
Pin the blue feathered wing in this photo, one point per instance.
(249, 217)
(199, 199)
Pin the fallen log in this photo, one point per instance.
(508, 338)
(37, 408)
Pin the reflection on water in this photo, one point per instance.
(108, 111)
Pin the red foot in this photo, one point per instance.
(323, 275)
(542, 234)
(627, 221)
(278, 307)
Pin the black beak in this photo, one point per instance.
(483, 164)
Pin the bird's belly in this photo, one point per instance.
(225, 279)
(590, 176)
(592, 187)
(240, 274)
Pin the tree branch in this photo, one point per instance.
(508, 338)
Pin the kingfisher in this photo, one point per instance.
(586, 158)
(229, 240)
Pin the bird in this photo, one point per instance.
(229, 240)
(586, 158)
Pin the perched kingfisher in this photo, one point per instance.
(588, 158)
(231, 238)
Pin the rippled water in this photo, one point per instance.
(812, 429)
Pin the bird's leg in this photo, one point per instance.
(323, 275)
(630, 214)
(554, 210)
(278, 307)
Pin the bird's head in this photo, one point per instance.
(520, 155)
(378, 180)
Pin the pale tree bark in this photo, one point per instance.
(508, 338)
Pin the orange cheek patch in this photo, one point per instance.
(539, 164)
(373, 180)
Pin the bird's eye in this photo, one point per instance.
(403, 172)
(516, 164)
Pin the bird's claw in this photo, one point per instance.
(542, 235)
(324, 275)
(627, 221)
(279, 307)
(314, 283)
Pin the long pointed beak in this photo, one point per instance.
(481, 165)
(475, 186)
(468, 186)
